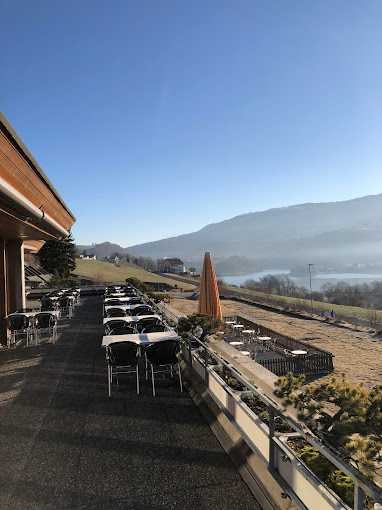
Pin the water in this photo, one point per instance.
(303, 281)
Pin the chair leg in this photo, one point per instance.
(180, 378)
(137, 381)
(152, 378)
(109, 380)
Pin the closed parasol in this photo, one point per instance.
(209, 302)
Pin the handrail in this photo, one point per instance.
(352, 473)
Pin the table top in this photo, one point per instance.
(130, 318)
(248, 331)
(230, 322)
(246, 353)
(236, 343)
(140, 338)
(32, 314)
(121, 298)
(238, 326)
(264, 338)
(299, 353)
(124, 307)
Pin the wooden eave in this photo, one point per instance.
(19, 169)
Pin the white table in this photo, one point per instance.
(248, 331)
(299, 353)
(131, 318)
(236, 344)
(264, 338)
(230, 323)
(246, 353)
(124, 307)
(140, 338)
(116, 295)
(125, 299)
(238, 326)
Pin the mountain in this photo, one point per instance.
(101, 250)
(334, 232)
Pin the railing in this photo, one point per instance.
(292, 478)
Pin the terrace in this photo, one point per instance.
(66, 445)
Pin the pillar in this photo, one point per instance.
(3, 292)
(15, 275)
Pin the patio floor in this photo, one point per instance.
(65, 445)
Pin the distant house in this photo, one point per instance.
(172, 266)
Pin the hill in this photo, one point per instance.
(326, 233)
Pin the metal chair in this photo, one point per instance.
(122, 330)
(113, 302)
(116, 312)
(154, 328)
(46, 320)
(121, 357)
(114, 323)
(163, 355)
(146, 321)
(139, 310)
(66, 305)
(25, 310)
(18, 325)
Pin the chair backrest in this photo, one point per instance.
(139, 309)
(24, 310)
(115, 323)
(153, 328)
(136, 300)
(122, 330)
(17, 322)
(116, 312)
(163, 353)
(65, 302)
(47, 308)
(123, 353)
(46, 301)
(146, 321)
(44, 320)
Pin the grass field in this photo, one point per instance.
(105, 272)
(349, 311)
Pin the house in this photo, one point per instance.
(174, 265)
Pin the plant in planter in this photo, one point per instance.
(354, 423)
(199, 325)
(261, 409)
(228, 378)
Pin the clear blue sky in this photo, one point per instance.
(154, 118)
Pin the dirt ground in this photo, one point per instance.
(357, 353)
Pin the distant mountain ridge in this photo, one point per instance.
(334, 232)
(346, 232)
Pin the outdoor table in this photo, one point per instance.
(121, 298)
(124, 307)
(130, 319)
(230, 323)
(236, 344)
(238, 326)
(248, 331)
(140, 338)
(264, 338)
(246, 353)
(299, 353)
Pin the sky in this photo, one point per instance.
(154, 118)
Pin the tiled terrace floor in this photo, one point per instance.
(65, 445)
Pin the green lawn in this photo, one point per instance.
(105, 272)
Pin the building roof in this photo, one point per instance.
(173, 262)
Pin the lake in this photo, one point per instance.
(317, 279)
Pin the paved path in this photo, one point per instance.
(65, 445)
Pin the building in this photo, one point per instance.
(174, 265)
(31, 209)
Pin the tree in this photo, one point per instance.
(58, 257)
(200, 325)
(345, 416)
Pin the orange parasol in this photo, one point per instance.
(209, 302)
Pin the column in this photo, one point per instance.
(16, 275)
(3, 292)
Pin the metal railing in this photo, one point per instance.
(274, 409)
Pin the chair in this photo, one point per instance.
(114, 323)
(146, 321)
(66, 305)
(120, 357)
(289, 354)
(46, 302)
(163, 355)
(138, 310)
(122, 330)
(46, 320)
(153, 328)
(18, 325)
(136, 301)
(116, 312)
(24, 310)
